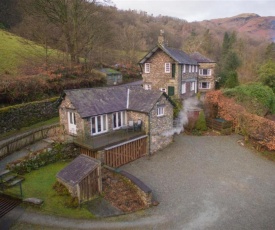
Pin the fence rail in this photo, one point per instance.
(20, 141)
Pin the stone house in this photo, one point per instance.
(169, 70)
(113, 77)
(206, 78)
(102, 117)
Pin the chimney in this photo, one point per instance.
(161, 38)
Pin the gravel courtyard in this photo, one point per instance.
(210, 183)
(202, 182)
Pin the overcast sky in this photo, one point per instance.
(198, 10)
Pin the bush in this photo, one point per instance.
(42, 158)
(255, 97)
(61, 189)
(32, 88)
(201, 122)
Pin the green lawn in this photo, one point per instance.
(39, 184)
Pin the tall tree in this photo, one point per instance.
(230, 61)
(75, 19)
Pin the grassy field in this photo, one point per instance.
(39, 184)
(15, 51)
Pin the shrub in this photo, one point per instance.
(39, 159)
(72, 202)
(257, 98)
(61, 189)
(201, 122)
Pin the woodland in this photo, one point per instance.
(74, 37)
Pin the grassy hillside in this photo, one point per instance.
(17, 52)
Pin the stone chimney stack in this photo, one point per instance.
(161, 38)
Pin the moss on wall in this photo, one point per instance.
(23, 115)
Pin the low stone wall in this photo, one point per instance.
(143, 190)
(28, 138)
(24, 115)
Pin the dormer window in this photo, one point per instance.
(147, 68)
(167, 67)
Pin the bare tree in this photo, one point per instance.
(76, 21)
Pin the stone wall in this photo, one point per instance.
(24, 115)
(144, 192)
(20, 141)
(157, 77)
(210, 78)
(65, 107)
(160, 125)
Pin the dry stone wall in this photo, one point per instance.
(24, 115)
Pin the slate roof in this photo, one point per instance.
(178, 55)
(96, 101)
(78, 169)
(200, 58)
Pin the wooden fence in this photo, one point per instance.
(219, 124)
(126, 152)
(20, 141)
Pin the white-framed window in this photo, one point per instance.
(183, 88)
(160, 111)
(205, 72)
(119, 119)
(192, 86)
(163, 90)
(204, 85)
(167, 67)
(72, 122)
(193, 68)
(196, 68)
(190, 68)
(147, 68)
(99, 124)
(147, 86)
(184, 69)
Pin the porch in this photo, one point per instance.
(108, 139)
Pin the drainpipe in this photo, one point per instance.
(128, 94)
(149, 133)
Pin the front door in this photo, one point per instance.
(72, 122)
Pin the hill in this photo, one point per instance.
(18, 53)
(252, 25)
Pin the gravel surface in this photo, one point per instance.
(201, 183)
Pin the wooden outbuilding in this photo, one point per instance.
(82, 177)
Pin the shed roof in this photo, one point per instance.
(109, 71)
(178, 55)
(200, 58)
(96, 101)
(78, 169)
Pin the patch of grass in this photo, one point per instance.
(25, 129)
(16, 50)
(270, 155)
(39, 184)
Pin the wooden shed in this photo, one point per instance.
(82, 177)
(113, 77)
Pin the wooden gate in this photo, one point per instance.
(126, 152)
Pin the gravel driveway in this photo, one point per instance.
(201, 183)
(210, 183)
